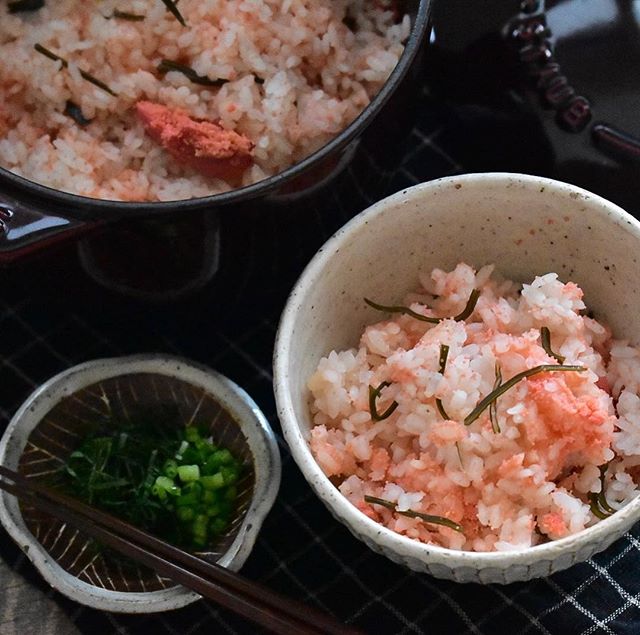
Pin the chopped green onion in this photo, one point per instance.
(170, 468)
(493, 406)
(209, 496)
(185, 514)
(131, 468)
(545, 337)
(428, 518)
(217, 526)
(87, 76)
(187, 500)
(374, 393)
(183, 446)
(494, 394)
(404, 310)
(215, 481)
(173, 9)
(167, 484)
(188, 473)
(191, 434)
(213, 510)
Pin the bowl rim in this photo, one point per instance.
(230, 396)
(299, 447)
(76, 204)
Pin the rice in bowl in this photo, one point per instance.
(554, 453)
(271, 81)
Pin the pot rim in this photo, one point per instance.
(75, 204)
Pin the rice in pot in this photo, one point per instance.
(554, 453)
(286, 76)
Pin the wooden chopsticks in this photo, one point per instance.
(249, 599)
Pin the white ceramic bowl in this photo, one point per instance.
(527, 226)
(48, 424)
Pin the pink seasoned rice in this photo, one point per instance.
(535, 480)
(298, 71)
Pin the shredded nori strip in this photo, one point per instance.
(441, 410)
(258, 80)
(428, 518)
(469, 309)
(25, 5)
(168, 65)
(594, 507)
(374, 393)
(87, 76)
(75, 112)
(466, 312)
(493, 406)
(444, 353)
(123, 15)
(599, 505)
(173, 9)
(545, 338)
(494, 394)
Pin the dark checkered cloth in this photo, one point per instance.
(52, 317)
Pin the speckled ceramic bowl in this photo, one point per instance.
(527, 226)
(50, 424)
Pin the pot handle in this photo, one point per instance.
(24, 230)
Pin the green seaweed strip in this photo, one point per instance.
(498, 392)
(123, 15)
(545, 338)
(444, 353)
(374, 393)
(169, 65)
(493, 407)
(601, 498)
(173, 9)
(595, 509)
(405, 310)
(428, 518)
(470, 307)
(86, 76)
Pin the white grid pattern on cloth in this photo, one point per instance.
(429, 140)
(346, 569)
(586, 612)
(565, 597)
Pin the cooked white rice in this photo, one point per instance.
(318, 76)
(533, 480)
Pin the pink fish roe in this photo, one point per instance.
(561, 451)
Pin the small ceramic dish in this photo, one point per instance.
(50, 424)
(527, 226)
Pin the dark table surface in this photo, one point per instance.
(52, 316)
